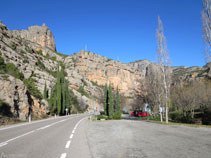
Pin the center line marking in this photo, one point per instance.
(68, 144)
(63, 155)
(71, 136)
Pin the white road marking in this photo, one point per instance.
(68, 144)
(63, 155)
(73, 131)
(43, 127)
(37, 121)
(6, 142)
(71, 136)
(3, 144)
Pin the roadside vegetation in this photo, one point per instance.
(112, 104)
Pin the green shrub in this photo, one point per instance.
(53, 58)
(39, 52)
(179, 116)
(13, 46)
(117, 116)
(82, 91)
(13, 70)
(2, 65)
(32, 88)
(176, 116)
(94, 83)
(100, 117)
(40, 64)
(5, 109)
(22, 52)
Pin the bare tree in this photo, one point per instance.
(154, 88)
(206, 22)
(164, 61)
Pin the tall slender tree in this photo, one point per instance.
(110, 102)
(45, 94)
(60, 95)
(118, 103)
(206, 22)
(164, 61)
(106, 100)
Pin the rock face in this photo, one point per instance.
(38, 34)
(14, 92)
(33, 52)
(102, 70)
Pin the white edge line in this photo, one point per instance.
(37, 121)
(3, 144)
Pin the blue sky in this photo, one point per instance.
(123, 30)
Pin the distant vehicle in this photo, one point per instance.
(139, 113)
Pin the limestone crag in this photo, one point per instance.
(14, 92)
(38, 34)
(101, 70)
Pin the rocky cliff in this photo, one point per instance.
(38, 34)
(33, 52)
(100, 70)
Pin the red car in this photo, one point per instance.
(139, 113)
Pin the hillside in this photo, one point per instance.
(33, 53)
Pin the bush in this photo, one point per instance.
(99, 117)
(206, 117)
(13, 70)
(179, 116)
(39, 52)
(2, 65)
(32, 88)
(5, 109)
(53, 58)
(82, 91)
(117, 116)
(176, 116)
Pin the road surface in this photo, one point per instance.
(51, 138)
(142, 139)
(77, 137)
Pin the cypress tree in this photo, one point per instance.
(110, 102)
(106, 100)
(45, 94)
(60, 95)
(118, 103)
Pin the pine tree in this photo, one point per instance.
(118, 103)
(45, 94)
(110, 102)
(106, 100)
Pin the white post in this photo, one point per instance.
(30, 119)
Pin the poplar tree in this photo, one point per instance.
(164, 61)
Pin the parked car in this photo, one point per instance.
(139, 113)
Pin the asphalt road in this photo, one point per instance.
(141, 139)
(51, 138)
(77, 137)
